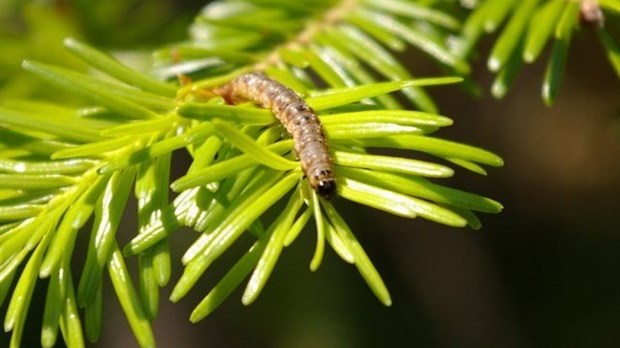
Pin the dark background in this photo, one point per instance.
(543, 273)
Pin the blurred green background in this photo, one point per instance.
(544, 273)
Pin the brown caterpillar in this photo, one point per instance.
(300, 121)
(590, 13)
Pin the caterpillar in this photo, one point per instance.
(590, 13)
(300, 121)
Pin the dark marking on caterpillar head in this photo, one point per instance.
(300, 121)
(324, 183)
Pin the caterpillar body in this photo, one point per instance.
(300, 121)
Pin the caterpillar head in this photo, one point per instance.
(324, 183)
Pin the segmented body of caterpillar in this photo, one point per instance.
(300, 121)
